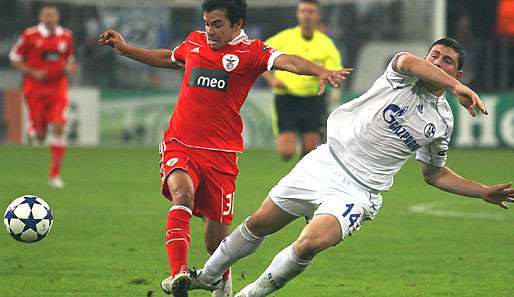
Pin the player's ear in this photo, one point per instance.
(239, 24)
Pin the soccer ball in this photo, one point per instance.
(28, 218)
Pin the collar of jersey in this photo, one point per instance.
(429, 96)
(298, 31)
(242, 35)
(43, 30)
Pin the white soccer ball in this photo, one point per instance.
(28, 218)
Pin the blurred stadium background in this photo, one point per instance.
(117, 101)
(107, 239)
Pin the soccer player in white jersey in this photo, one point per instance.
(338, 185)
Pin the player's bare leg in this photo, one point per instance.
(36, 132)
(310, 141)
(214, 234)
(244, 240)
(321, 233)
(178, 236)
(57, 152)
(286, 145)
(36, 137)
(268, 219)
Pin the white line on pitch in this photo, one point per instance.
(431, 209)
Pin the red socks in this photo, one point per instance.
(57, 150)
(178, 238)
(226, 274)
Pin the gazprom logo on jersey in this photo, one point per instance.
(209, 78)
(391, 112)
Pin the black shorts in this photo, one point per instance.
(300, 114)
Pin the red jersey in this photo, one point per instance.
(42, 51)
(213, 90)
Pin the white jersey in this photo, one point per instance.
(372, 136)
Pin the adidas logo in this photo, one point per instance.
(196, 50)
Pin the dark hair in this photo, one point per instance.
(309, 1)
(455, 45)
(48, 6)
(234, 9)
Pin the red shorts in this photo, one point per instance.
(214, 177)
(46, 106)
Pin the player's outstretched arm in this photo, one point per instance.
(447, 180)
(153, 57)
(426, 71)
(302, 66)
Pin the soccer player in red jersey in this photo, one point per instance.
(44, 54)
(200, 147)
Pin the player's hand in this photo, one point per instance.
(39, 74)
(334, 78)
(499, 195)
(469, 99)
(112, 39)
(71, 68)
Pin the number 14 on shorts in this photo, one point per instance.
(352, 217)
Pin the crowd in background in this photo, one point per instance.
(475, 23)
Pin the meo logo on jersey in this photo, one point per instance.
(209, 78)
(50, 56)
(230, 62)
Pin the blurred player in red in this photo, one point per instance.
(44, 54)
(200, 147)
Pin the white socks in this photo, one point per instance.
(284, 267)
(240, 243)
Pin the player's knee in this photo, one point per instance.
(58, 130)
(182, 197)
(307, 248)
(256, 224)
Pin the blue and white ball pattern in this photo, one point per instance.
(28, 218)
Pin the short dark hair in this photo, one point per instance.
(455, 45)
(48, 6)
(234, 9)
(309, 1)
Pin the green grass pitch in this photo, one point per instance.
(107, 238)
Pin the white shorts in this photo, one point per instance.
(318, 185)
